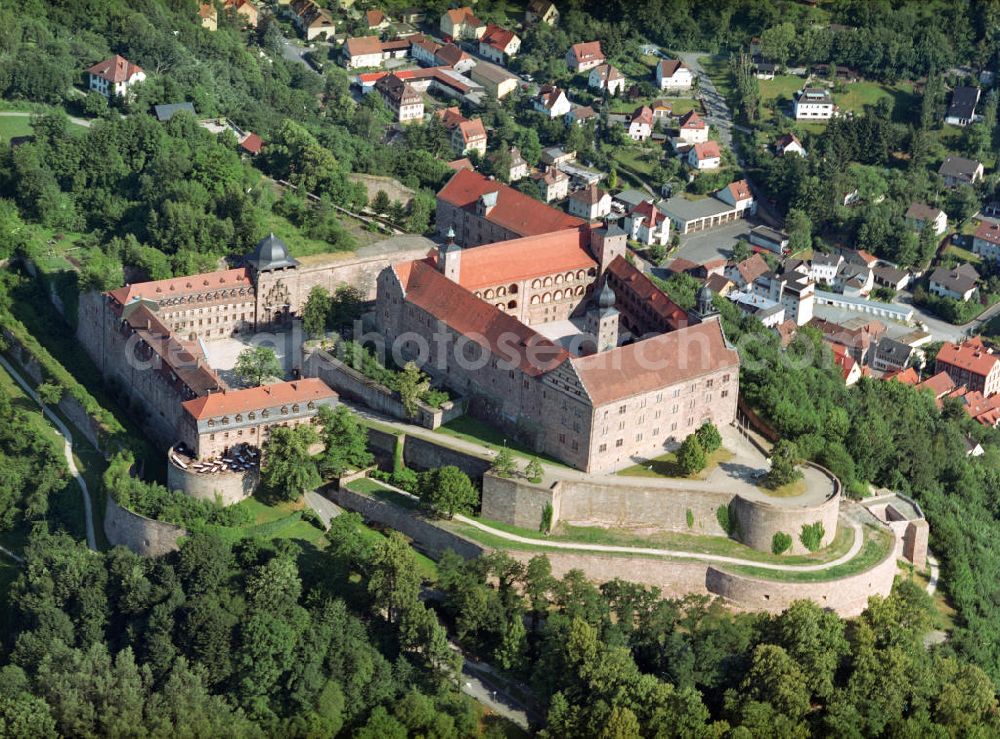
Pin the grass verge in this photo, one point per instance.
(666, 466)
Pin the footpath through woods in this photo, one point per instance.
(67, 450)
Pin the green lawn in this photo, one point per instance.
(782, 87)
(856, 95)
(641, 161)
(680, 106)
(479, 432)
(961, 254)
(666, 466)
(790, 490)
(11, 126)
(378, 491)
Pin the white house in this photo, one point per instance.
(606, 77)
(986, 242)
(498, 44)
(640, 125)
(962, 110)
(584, 56)
(789, 144)
(704, 156)
(461, 23)
(542, 11)
(115, 76)
(959, 283)
(920, 215)
(590, 203)
(673, 75)
(469, 136)
(692, 128)
(824, 267)
(551, 101)
(647, 225)
(553, 184)
(814, 104)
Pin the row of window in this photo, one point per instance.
(252, 415)
(619, 443)
(568, 277)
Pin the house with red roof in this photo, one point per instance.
(590, 203)
(551, 101)
(461, 24)
(606, 77)
(115, 77)
(252, 144)
(499, 44)
(704, 156)
(376, 19)
(842, 359)
(646, 224)
(692, 128)
(640, 124)
(674, 75)
(970, 364)
(584, 56)
(789, 144)
(553, 183)
(986, 241)
(245, 10)
(481, 210)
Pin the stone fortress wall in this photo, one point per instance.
(604, 503)
(227, 487)
(142, 535)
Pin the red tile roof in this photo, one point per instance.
(940, 384)
(654, 363)
(587, 51)
(626, 276)
(692, 120)
(116, 69)
(452, 304)
(160, 289)
(590, 195)
(906, 376)
(497, 37)
(842, 359)
(521, 259)
(988, 231)
(374, 17)
(971, 355)
(255, 398)
(463, 15)
(463, 163)
(752, 267)
(642, 114)
(787, 140)
(252, 143)
(363, 45)
(707, 150)
(450, 117)
(649, 212)
(740, 190)
(451, 54)
(472, 130)
(515, 211)
(669, 67)
(549, 95)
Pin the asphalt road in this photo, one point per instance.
(716, 243)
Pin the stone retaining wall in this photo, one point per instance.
(227, 487)
(421, 454)
(142, 535)
(355, 386)
(427, 537)
(517, 502)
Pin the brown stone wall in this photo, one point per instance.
(760, 521)
(421, 454)
(142, 535)
(516, 502)
(915, 543)
(395, 189)
(225, 487)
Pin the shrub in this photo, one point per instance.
(545, 526)
(691, 455)
(709, 437)
(781, 542)
(533, 470)
(722, 516)
(812, 535)
(690, 518)
(406, 479)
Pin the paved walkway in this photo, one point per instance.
(67, 450)
(27, 114)
(324, 508)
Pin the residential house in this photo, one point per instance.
(893, 355)
(209, 16)
(764, 70)
(497, 81)
(606, 77)
(770, 239)
(891, 277)
(673, 75)
(962, 110)
(859, 335)
(795, 292)
(450, 55)
(590, 203)
(789, 144)
(553, 184)
(854, 280)
(958, 283)
(692, 128)
(824, 267)
(542, 11)
(580, 115)
(251, 143)
(850, 370)
(518, 168)
(640, 125)
(424, 50)
(376, 20)
(245, 10)
(744, 273)
(970, 364)
(405, 102)
(769, 312)
(859, 257)
(918, 215)
(584, 56)
(312, 20)
(461, 24)
(986, 241)
(704, 156)
(115, 77)
(739, 196)
(463, 163)
(553, 156)
(164, 113)
(813, 103)
(469, 136)
(498, 44)
(551, 101)
(362, 51)
(720, 284)
(646, 224)
(960, 171)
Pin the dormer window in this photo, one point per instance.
(225, 419)
(265, 413)
(311, 405)
(239, 417)
(211, 423)
(284, 410)
(252, 415)
(295, 408)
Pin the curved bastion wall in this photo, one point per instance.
(227, 487)
(605, 503)
(142, 535)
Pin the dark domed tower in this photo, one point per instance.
(449, 257)
(602, 320)
(704, 307)
(269, 265)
